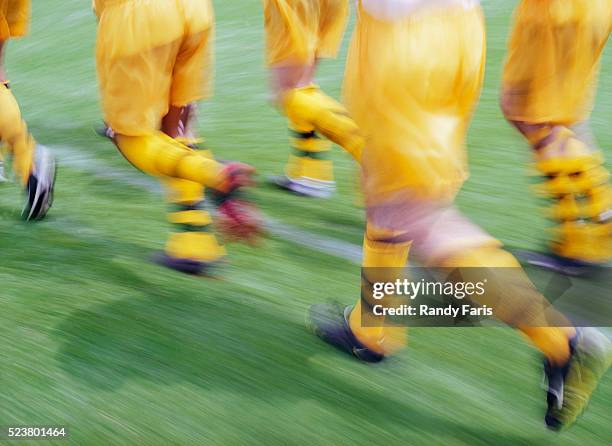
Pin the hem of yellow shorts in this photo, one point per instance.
(296, 61)
(13, 35)
(189, 99)
(549, 119)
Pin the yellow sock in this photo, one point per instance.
(515, 300)
(310, 107)
(192, 237)
(379, 259)
(576, 183)
(310, 157)
(14, 133)
(158, 154)
(553, 342)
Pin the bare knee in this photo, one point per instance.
(285, 78)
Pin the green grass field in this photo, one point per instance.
(95, 337)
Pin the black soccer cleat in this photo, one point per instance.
(186, 266)
(330, 323)
(558, 264)
(555, 380)
(39, 188)
(571, 386)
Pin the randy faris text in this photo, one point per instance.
(427, 310)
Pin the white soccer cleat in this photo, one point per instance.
(3, 178)
(306, 187)
(39, 189)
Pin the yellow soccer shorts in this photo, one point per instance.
(150, 56)
(411, 85)
(553, 59)
(300, 31)
(14, 18)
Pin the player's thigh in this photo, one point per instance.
(413, 100)
(555, 47)
(193, 71)
(333, 20)
(423, 71)
(292, 31)
(193, 67)
(135, 89)
(14, 18)
(135, 61)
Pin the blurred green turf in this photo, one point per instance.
(95, 337)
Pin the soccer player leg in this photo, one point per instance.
(575, 358)
(192, 246)
(309, 171)
(576, 183)
(332, 23)
(509, 292)
(384, 260)
(179, 124)
(137, 87)
(237, 219)
(14, 18)
(309, 106)
(159, 155)
(192, 75)
(313, 116)
(575, 180)
(553, 59)
(386, 95)
(33, 165)
(357, 330)
(299, 33)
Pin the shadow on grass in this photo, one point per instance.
(216, 338)
(224, 343)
